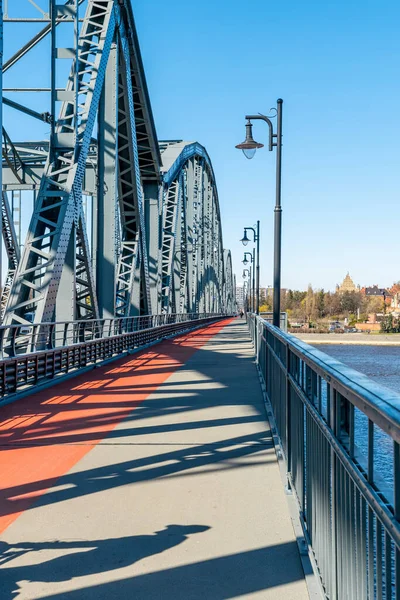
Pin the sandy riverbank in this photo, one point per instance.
(360, 339)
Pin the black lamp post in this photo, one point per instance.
(256, 238)
(246, 262)
(249, 147)
(247, 273)
(245, 295)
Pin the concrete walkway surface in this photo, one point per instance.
(151, 478)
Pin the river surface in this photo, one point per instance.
(382, 365)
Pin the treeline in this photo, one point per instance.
(314, 305)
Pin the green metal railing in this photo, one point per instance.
(339, 433)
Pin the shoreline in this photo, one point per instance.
(349, 339)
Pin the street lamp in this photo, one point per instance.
(249, 147)
(256, 238)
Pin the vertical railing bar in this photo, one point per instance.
(397, 573)
(370, 451)
(328, 406)
(388, 566)
(396, 480)
(320, 394)
(371, 555)
(334, 475)
(340, 540)
(353, 534)
(362, 547)
(351, 430)
(288, 409)
(327, 516)
(347, 529)
(379, 557)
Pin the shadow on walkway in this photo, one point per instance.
(218, 578)
(92, 406)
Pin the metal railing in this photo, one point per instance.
(52, 349)
(339, 433)
(25, 339)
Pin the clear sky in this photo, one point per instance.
(336, 66)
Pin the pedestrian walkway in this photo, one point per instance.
(151, 478)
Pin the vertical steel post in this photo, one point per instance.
(258, 270)
(53, 14)
(278, 220)
(251, 291)
(153, 240)
(1, 129)
(104, 225)
(65, 309)
(396, 482)
(254, 279)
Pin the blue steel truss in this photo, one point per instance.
(154, 238)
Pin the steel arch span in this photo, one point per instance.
(195, 271)
(152, 239)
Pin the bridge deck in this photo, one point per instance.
(151, 478)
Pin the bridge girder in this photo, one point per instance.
(154, 240)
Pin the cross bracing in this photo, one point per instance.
(151, 239)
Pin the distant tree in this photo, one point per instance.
(298, 296)
(289, 300)
(333, 304)
(350, 302)
(310, 304)
(373, 304)
(387, 324)
(264, 308)
(320, 303)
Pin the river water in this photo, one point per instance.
(382, 365)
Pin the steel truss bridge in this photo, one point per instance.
(123, 250)
(121, 224)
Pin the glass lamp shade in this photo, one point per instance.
(245, 261)
(249, 152)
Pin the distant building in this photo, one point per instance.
(377, 291)
(347, 285)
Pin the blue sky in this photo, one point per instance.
(336, 66)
